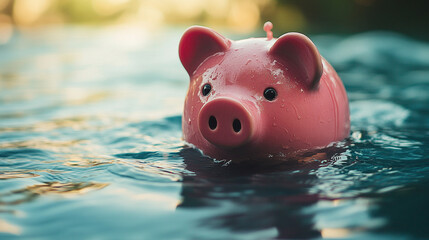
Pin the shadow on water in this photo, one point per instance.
(260, 197)
(404, 214)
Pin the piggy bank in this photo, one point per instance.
(260, 98)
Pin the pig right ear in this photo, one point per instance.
(301, 51)
(199, 43)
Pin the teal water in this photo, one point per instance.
(91, 148)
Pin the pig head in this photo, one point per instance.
(256, 98)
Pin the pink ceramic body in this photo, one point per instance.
(303, 116)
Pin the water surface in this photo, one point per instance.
(90, 146)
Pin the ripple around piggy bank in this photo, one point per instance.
(260, 98)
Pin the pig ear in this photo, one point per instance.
(197, 44)
(301, 52)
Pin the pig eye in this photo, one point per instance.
(270, 94)
(206, 89)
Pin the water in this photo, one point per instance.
(90, 146)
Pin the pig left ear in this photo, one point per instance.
(199, 43)
(299, 50)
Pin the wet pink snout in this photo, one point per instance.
(226, 122)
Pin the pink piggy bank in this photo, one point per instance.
(260, 98)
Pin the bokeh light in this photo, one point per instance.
(6, 28)
(239, 16)
(26, 12)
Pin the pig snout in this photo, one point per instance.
(226, 122)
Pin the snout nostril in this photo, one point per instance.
(236, 125)
(212, 123)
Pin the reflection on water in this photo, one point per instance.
(90, 139)
(17, 174)
(31, 192)
(9, 228)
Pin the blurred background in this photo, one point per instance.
(242, 16)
